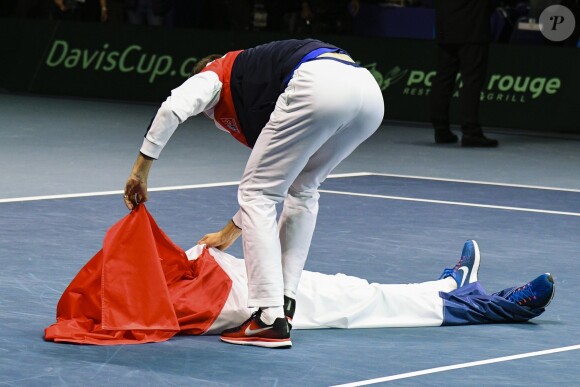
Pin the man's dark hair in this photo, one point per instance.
(203, 62)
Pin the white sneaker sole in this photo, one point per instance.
(477, 260)
(259, 343)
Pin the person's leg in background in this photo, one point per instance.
(473, 67)
(442, 92)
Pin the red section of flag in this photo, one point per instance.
(140, 288)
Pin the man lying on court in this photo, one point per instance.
(141, 288)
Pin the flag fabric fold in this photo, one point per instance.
(140, 287)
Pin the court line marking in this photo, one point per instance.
(476, 182)
(158, 189)
(116, 192)
(402, 198)
(459, 366)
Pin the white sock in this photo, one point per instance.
(452, 282)
(290, 293)
(269, 315)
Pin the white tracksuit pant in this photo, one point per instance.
(326, 111)
(337, 301)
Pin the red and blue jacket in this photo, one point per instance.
(253, 79)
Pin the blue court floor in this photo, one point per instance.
(407, 236)
(397, 211)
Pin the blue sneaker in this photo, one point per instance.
(535, 294)
(465, 272)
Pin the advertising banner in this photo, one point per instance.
(527, 87)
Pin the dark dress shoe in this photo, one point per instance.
(478, 141)
(445, 137)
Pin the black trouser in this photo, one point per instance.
(470, 59)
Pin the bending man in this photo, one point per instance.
(302, 106)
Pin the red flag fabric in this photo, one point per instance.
(140, 288)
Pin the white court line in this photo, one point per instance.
(451, 203)
(172, 188)
(476, 182)
(117, 192)
(459, 366)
